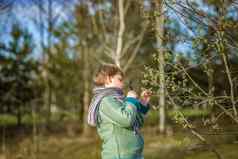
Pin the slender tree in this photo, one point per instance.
(159, 33)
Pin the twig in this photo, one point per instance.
(200, 137)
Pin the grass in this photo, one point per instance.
(8, 120)
(191, 113)
(156, 147)
(57, 146)
(27, 119)
(227, 151)
(152, 118)
(61, 146)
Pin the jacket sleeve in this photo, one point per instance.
(144, 109)
(119, 113)
(140, 107)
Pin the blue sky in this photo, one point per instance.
(27, 14)
(27, 18)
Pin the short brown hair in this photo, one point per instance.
(104, 71)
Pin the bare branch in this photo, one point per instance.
(226, 112)
(136, 50)
(200, 137)
(6, 5)
(120, 33)
(130, 43)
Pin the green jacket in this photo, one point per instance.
(115, 130)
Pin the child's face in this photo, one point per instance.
(115, 81)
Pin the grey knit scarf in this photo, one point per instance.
(98, 94)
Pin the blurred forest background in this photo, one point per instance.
(185, 51)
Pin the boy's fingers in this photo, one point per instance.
(146, 93)
(132, 94)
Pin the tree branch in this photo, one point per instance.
(120, 33)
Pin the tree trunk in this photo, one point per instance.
(221, 46)
(221, 50)
(211, 86)
(120, 33)
(49, 41)
(19, 116)
(45, 58)
(4, 136)
(86, 100)
(48, 101)
(228, 72)
(34, 133)
(159, 24)
(4, 154)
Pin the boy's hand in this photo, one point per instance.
(145, 97)
(132, 94)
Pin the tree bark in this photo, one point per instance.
(221, 50)
(19, 116)
(86, 100)
(210, 85)
(120, 33)
(34, 132)
(159, 24)
(3, 146)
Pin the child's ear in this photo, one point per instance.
(108, 79)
